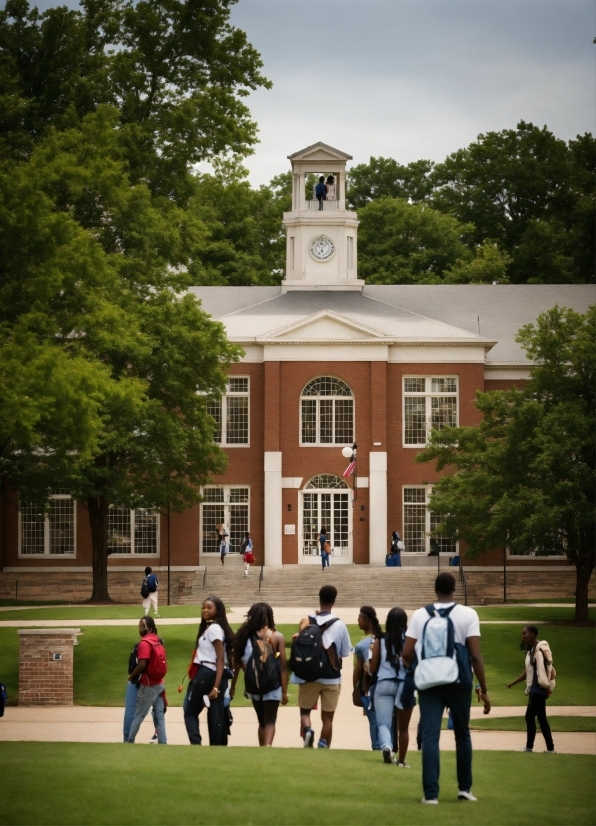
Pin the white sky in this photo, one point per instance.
(413, 79)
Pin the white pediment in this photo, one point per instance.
(325, 326)
(320, 152)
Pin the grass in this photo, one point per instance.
(524, 613)
(557, 723)
(80, 783)
(101, 660)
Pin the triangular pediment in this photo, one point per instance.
(325, 326)
(320, 152)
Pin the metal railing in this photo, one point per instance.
(462, 579)
(261, 576)
(205, 577)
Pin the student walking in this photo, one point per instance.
(260, 650)
(150, 585)
(369, 623)
(325, 548)
(130, 696)
(445, 640)
(539, 675)
(316, 666)
(249, 557)
(387, 666)
(151, 668)
(223, 533)
(209, 674)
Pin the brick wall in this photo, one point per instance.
(43, 680)
(486, 587)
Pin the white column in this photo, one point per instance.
(273, 527)
(377, 497)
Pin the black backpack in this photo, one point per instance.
(144, 588)
(310, 660)
(261, 677)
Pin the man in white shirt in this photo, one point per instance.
(433, 701)
(325, 689)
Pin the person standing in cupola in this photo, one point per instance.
(321, 191)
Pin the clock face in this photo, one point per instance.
(321, 248)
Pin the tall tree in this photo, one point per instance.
(385, 177)
(402, 243)
(526, 476)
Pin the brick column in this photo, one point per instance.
(46, 666)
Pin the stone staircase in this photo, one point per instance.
(299, 586)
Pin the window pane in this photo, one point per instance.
(414, 385)
(119, 536)
(146, 522)
(444, 544)
(415, 420)
(237, 420)
(340, 520)
(213, 494)
(444, 385)
(238, 495)
(325, 514)
(213, 515)
(415, 495)
(238, 385)
(310, 524)
(309, 421)
(443, 411)
(344, 421)
(238, 525)
(214, 409)
(326, 421)
(415, 528)
(62, 529)
(327, 386)
(32, 529)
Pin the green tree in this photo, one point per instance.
(532, 194)
(403, 243)
(382, 177)
(526, 476)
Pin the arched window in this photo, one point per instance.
(327, 412)
(325, 480)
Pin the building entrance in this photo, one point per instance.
(326, 503)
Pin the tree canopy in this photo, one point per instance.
(525, 477)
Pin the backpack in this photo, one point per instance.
(262, 671)
(441, 661)
(3, 698)
(152, 583)
(244, 546)
(309, 660)
(144, 588)
(157, 667)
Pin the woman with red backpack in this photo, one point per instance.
(149, 673)
(260, 651)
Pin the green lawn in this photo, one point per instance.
(556, 723)
(101, 660)
(95, 612)
(80, 783)
(525, 614)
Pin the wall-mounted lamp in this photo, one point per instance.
(289, 507)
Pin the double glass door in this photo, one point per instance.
(329, 510)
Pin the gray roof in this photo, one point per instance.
(472, 313)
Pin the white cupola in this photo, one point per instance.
(321, 234)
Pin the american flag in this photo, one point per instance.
(350, 469)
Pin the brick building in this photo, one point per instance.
(328, 362)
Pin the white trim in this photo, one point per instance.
(531, 557)
(313, 559)
(46, 533)
(427, 396)
(272, 466)
(224, 412)
(291, 481)
(318, 399)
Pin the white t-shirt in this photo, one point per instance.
(386, 670)
(465, 622)
(206, 654)
(276, 694)
(338, 634)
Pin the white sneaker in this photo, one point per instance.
(153, 740)
(434, 802)
(309, 737)
(404, 765)
(530, 751)
(467, 796)
(549, 751)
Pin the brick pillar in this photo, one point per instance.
(46, 666)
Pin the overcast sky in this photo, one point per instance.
(414, 79)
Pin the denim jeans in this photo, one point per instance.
(149, 696)
(193, 702)
(324, 558)
(372, 722)
(384, 700)
(130, 707)
(433, 702)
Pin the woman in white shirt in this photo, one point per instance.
(208, 677)
(259, 628)
(386, 664)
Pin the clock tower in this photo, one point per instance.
(321, 243)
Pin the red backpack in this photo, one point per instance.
(157, 667)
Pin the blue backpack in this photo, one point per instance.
(441, 660)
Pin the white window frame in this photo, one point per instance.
(427, 395)
(318, 400)
(226, 504)
(132, 554)
(427, 523)
(224, 413)
(47, 551)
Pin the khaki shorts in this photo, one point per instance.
(309, 693)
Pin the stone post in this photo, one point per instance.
(46, 666)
